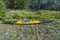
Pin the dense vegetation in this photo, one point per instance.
(42, 14)
(33, 4)
(28, 4)
(2, 10)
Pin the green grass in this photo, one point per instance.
(42, 14)
(47, 31)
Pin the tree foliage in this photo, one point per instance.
(2, 9)
(33, 4)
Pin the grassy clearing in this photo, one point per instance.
(47, 31)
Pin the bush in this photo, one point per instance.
(2, 10)
(15, 16)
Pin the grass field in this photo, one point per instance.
(46, 31)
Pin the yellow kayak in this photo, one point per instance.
(18, 22)
(27, 22)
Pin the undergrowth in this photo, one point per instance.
(42, 14)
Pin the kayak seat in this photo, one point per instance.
(26, 20)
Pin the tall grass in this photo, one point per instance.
(47, 31)
(42, 14)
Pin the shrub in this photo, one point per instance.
(2, 10)
(15, 16)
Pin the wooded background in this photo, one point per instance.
(33, 4)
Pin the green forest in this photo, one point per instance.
(33, 4)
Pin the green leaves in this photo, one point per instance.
(2, 10)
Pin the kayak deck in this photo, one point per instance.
(30, 22)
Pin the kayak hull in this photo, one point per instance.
(19, 22)
(30, 22)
